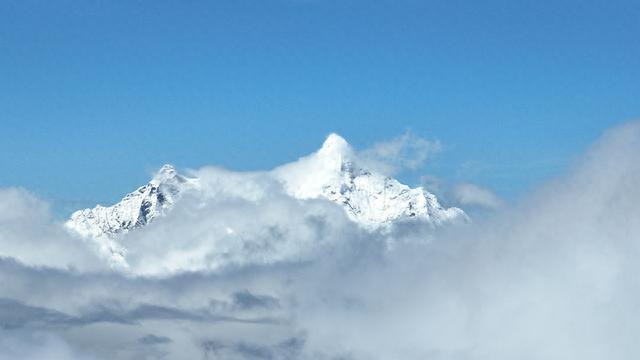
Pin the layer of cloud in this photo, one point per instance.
(29, 234)
(38, 345)
(553, 277)
(245, 219)
(550, 279)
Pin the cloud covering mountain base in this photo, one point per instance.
(553, 277)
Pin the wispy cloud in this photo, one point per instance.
(405, 152)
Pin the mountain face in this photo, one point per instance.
(372, 200)
(136, 209)
(334, 173)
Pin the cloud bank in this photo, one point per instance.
(553, 277)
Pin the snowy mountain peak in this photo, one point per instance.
(334, 172)
(335, 145)
(136, 209)
(167, 175)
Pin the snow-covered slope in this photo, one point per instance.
(334, 172)
(136, 209)
(373, 200)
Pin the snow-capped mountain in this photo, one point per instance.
(334, 172)
(372, 200)
(136, 209)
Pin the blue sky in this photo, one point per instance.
(96, 94)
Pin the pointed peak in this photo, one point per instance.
(335, 144)
(334, 139)
(167, 168)
(166, 173)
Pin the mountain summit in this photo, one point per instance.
(334, 172)
(335, 144)
(136, 209)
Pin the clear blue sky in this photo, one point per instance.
(95, 94)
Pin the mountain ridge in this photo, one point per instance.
(334, 172)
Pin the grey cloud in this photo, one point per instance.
(37, 345)
(245, 300)
(288, 349)
(151, 339)
(14, 314)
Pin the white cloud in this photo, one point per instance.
(28, 234)
(407, 151)
(259, 226)
(551, 278)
